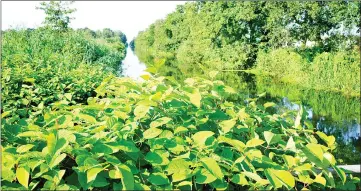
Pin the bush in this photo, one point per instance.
(41, 67)
(152, 135)
(282, 64)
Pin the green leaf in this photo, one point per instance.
(24, 148)
(127, 177)
(92, 173)
(320, 179)
(31, 134)
(269, 104)
(254, 142)
(195, 98)
(291, 145)
(200, 137)
(56, 160)
(177, 165)
(290, 161)
(158, 179)
(268, 136)
(87, 118)
(115, 174)
(227, 125)
(330, 158)
(280, 177)
(180, 129)
(330, 140)
(211, 165)
(160, 122)
(154, 158)
(22, 174)
(204, 177)
(126, 146)
(151, 133)
(316, 150)
(181, 175)
(340, 173)
(256, 177)
(140, 111)
(239, 179)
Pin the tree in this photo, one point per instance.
(57, 14)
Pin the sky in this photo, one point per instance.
(128, 16)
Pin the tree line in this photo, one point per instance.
(202, 36)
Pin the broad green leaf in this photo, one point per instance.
(239, 179)
(269, 104)
(31, 134)
(256, 177)
(158, 179)
(127, 177)
(340, 173)
(290, 160)
(177, 165)
(145, 76)
(268, 136)
(320, 179)
(4, 114)
(154, 158)
(138, 186)
(87, 118)
(51, 143)
(291, 145)
(24, 148)
(22, 174)
(140, 111)
(126, 146)
(330, 158)
(160, 122)
(181, 175)
(200, 137)
(151, 133)
(92, 173)
(204, 177)
(211, 165)
(195, 98)
(330, 140)
(180, 129)
(316, 150)
(280, 177)
(242, 114)
(227, 125)
(115, 174)
(56, 160)
(254, 142)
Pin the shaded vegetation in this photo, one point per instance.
(314, 40)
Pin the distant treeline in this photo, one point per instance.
(310, 40)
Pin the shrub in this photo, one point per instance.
(152, 135)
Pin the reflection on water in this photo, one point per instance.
(329, 112)
(132, 67)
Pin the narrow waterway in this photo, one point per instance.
(132, 67)
(331, 113)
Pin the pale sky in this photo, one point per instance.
(128, 16)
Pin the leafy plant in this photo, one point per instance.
(158, 134)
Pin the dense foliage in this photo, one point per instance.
(153, 135)
(42, 66)
(203, 36)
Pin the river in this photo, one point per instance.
(329, 112)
